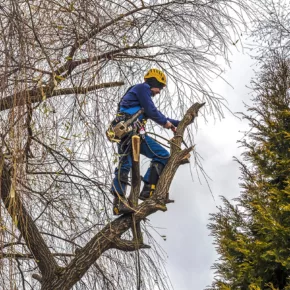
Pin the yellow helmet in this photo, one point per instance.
(157, 74)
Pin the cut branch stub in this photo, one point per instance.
(128, 246)
(133, 200)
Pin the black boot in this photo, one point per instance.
(149, 188)
(146, 191)
(121, 206)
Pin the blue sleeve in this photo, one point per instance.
(143, 94)
(174, 122)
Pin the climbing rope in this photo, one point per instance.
(168, 140)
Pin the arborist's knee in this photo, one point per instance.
(161, 159)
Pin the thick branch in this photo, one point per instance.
(25, 224)
(72, 64)
(97, 29)
(83, 90)
(30, 256)
(39, 94)
(128, 246)
(100, 243)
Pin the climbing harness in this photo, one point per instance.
(122, 125)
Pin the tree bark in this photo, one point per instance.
(42, 93)
(21, 218)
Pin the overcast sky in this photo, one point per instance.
(188, 245)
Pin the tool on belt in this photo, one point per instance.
(122, 126)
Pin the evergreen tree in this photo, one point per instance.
(252, 234)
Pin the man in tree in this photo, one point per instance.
(137, 97)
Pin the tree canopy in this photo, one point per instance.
(251, 234)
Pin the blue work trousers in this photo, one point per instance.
(149, 148)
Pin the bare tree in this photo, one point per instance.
(271, 28)
(63, 67)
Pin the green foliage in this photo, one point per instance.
(252, 234)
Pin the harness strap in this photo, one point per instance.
(119, 104)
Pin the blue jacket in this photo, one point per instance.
(140, 96)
